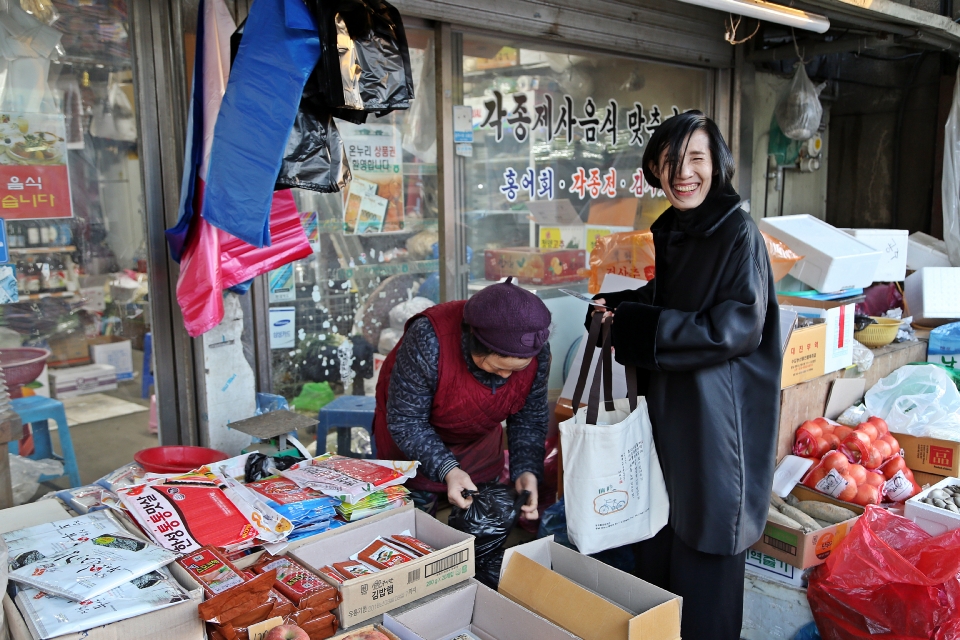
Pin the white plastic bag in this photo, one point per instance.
(406, 310)
(613, 486)
(25, 475)
(950, 187)
(799, 110)
(915, 398)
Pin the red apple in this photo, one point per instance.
(286, 632)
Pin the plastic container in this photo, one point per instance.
(22, 365)
(931, 296)
(176, 459)
(944, 346)
(880, 334)
(926, 251)
(931, 519)
(832, 260)
(892, 245)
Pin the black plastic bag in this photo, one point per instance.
(258, 464)
(490, 518)
(314, 158)
(488, 569)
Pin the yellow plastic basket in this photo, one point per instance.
(880, 334)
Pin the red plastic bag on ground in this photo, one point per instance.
(889, 580)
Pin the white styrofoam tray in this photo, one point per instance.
(931, 519)
(832, 260)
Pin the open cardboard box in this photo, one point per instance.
(476, 608)
(180, 621)
(590, 599)
(804, 550)
(930, 455)
(367, 597)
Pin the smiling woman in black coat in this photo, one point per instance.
(706, 328)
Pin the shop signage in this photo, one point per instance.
(34, 180)
(374, 199)
(283, 321)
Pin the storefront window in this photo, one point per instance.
(70, 194)
(555, 161)
(375, 247)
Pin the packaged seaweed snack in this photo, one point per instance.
(349, 480)
(92, 568)
(412, 543)
(212, 570)
(32, 544)
(383, 554)
(353, 569)
(385, 500)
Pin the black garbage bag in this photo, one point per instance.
(256, 467)
(314, 158)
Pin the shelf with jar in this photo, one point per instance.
(40, 236)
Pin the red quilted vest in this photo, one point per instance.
(465, 414)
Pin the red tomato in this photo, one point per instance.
(894, 464)
(880, 424)
(835, 460)
(875, 479)
(869, 429)
(884, 449)
(890, 440)
(848, 494)
(873, 460)
(858, 473)
(842, 432)
(812, 428)
(867, 494)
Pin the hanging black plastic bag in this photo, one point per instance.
(386, 82)
(314, 158)
(490, 518)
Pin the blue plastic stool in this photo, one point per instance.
(35, 411)
(147, 365)
(346, 412)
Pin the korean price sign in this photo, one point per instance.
(376, 158)
(34, 179)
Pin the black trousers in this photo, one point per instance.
(711, 586)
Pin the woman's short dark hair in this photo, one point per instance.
(474, 346)
(673, 135)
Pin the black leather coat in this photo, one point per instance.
(707, 330)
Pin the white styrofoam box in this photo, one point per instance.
(892, 245)
(932, 295)
(839, 352)
(832, 260)
(931, 519)
(117, 354)
(926, 251)
(78, 381)
(772, 610)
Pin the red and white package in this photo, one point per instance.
(183, 518)
(383, 554)
(353, 569)
(349, 480)
(331, 573)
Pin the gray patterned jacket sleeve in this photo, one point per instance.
(413, 384)
(527, 429)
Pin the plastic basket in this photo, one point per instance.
(880, 334)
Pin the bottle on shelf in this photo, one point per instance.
(33, 234)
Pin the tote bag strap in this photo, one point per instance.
(588, 349)
(606, 366)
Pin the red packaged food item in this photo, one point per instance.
(382, 554)
(299, 585)
(282, 605)
(234, 602)
(412, 543)
(330, 572)
(212, 570)
(318, 626)
(283, 491)
(352, 569)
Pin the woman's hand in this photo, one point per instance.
(457, 480)
(607, 313)
(528, 482)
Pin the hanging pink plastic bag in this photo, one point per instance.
(889, 580)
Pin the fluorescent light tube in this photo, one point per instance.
(768, 11)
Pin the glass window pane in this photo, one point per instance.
(70, 192)
(375, 246)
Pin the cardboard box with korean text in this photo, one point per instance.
(772, 569)
(586, 597)
(804, 356)
(474, 608)
(114, 351)
(179, 621)
(930, 455)
(805, 550)
(838, 353)
(369, 596)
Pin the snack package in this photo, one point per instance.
(33, 544)
(385, 500)
(92, 497)
(48, 616)
(126, 476)
(238, 600)
(349, 480)
(409, 542)
(92, 568)
(353, 569)
(383, 554)
(303, 588)
(331, 573)
(302, 506)
(185, 517)
(271, 526)
(212, 570)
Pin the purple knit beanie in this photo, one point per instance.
(508, 319)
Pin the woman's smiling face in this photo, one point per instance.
(694, 176)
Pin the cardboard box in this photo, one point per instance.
(772, 569)
(925, 479)
(68, 350)
(77, 381)
(930, 455)
(805, 550)
(474, 608)
(838, 353)
(928, 517)
(367, 597)
(931, 295)
(114, 351)
(553, 237)
(586, 597)
(926, 251)
(535, 266)
(892, 245)
(804, 356)
(832, 259)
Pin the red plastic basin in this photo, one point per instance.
(176, 459)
